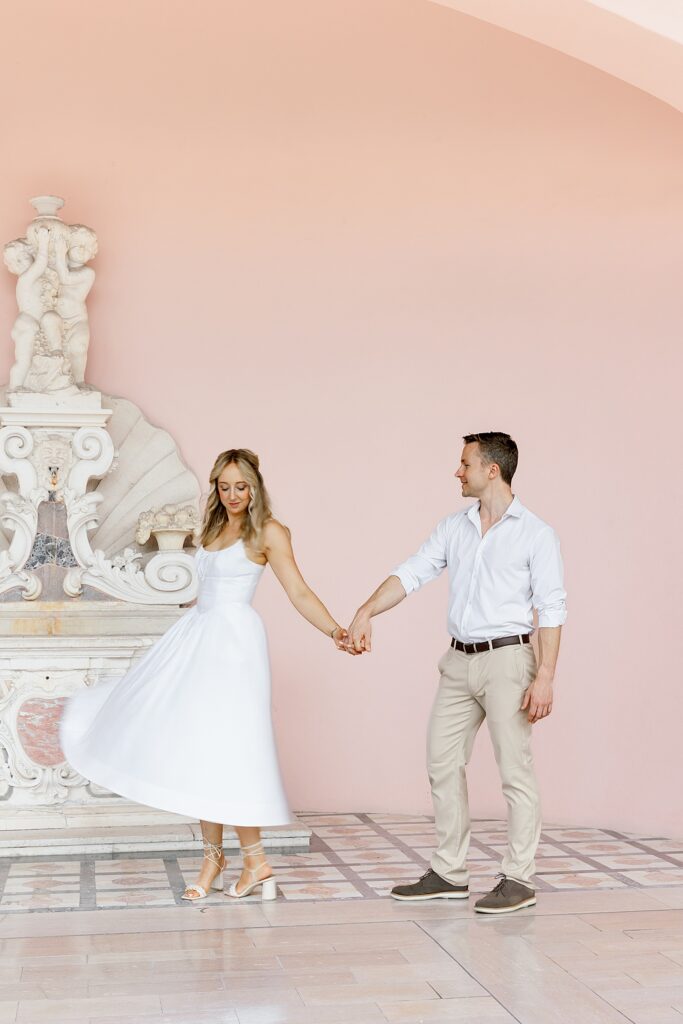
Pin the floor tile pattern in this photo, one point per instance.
(352, 857)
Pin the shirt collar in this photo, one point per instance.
(514, 509)
(473, 513)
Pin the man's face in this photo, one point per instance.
(473, 474)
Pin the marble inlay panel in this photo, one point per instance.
(136, 898)
(44, 550)
(665, 876)
(117, 866)
(46, 883)
(128, 880)
(50, 550)
(38, 730)
(320, 890)
(63, 554)
(585, 880)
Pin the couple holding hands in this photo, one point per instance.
(188, 729)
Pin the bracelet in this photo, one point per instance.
(334, 631)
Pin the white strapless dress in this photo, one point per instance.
(188, 729)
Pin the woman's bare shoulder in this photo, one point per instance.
(275, 532)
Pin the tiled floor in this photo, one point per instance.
(604, 945)
(353, 856)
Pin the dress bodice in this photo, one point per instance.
(227, 575)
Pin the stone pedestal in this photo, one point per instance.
(48, 650)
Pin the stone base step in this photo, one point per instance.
(118, 828)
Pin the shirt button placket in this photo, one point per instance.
(473, 581)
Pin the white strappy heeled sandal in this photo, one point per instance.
(268, 885)
(216, 856)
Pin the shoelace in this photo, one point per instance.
(499, 886)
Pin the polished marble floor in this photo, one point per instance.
(104, 940)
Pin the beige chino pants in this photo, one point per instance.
(474, 687)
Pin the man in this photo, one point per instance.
(503, 562)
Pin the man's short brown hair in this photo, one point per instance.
(497, 447)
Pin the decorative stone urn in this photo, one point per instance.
(170, 526)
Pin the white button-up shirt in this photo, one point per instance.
(496, 580)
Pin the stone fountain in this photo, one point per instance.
(97, 516)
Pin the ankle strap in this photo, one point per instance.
(253, 849)
(212, 852)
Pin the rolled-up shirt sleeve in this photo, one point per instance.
(427, 563)
(547, 580)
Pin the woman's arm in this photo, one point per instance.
(278, 551)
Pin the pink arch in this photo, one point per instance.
(638, 41)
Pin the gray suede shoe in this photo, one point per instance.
(507, 895)
(430, 887)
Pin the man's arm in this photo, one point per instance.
(548, 649)
(549, 597)
(387, 595)
(428, 563)
(539, 696)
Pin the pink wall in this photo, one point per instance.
(365, 227)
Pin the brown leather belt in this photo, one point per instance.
(490, 645)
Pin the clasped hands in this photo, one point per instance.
(357, 639)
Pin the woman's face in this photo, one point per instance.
(234, 491)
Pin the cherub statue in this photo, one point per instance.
(51, 333)
(49, 370)
(24, 335)
(31, 299)
(18, 255)
(75, 282)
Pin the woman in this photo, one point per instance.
(188, 729)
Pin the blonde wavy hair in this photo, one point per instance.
(259, 511)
